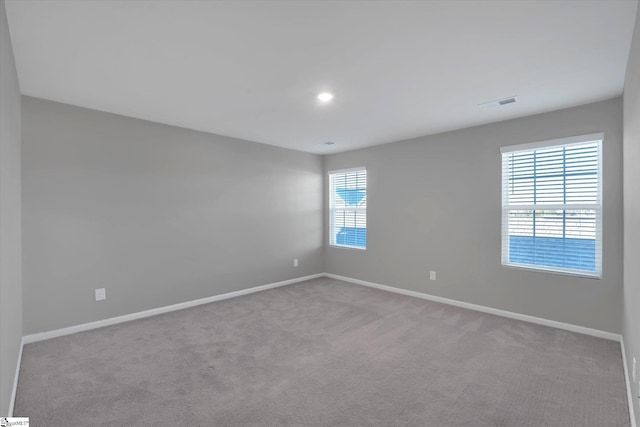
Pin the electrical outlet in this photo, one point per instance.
(295, 262)
(432, 275)
(101, 294)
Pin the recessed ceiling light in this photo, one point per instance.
(325, 96)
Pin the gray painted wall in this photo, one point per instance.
(155, 214)
(10, 249)
(631, 316)
(434, 203)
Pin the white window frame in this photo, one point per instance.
(332, 209)
(597, 274)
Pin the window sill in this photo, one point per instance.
(357, 248)
(527, 267)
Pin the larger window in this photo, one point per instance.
(348, 208)
(552, 205)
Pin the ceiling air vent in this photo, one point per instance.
(499, 102)
(507, 101)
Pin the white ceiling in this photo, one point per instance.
(252, 69)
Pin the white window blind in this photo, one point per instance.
(552, 205)
(348, 208)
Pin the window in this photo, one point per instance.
(552, 205)
(348, 208)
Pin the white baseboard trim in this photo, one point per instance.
(15, 380)
(627, 381)
(526, 318)
(27, 339)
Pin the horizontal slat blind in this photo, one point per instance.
(348, 208)
(551, 204)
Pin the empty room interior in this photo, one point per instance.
(320, 213)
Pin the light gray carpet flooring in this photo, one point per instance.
(323, 353)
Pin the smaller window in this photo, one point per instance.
(552, 205)
(348, 208)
